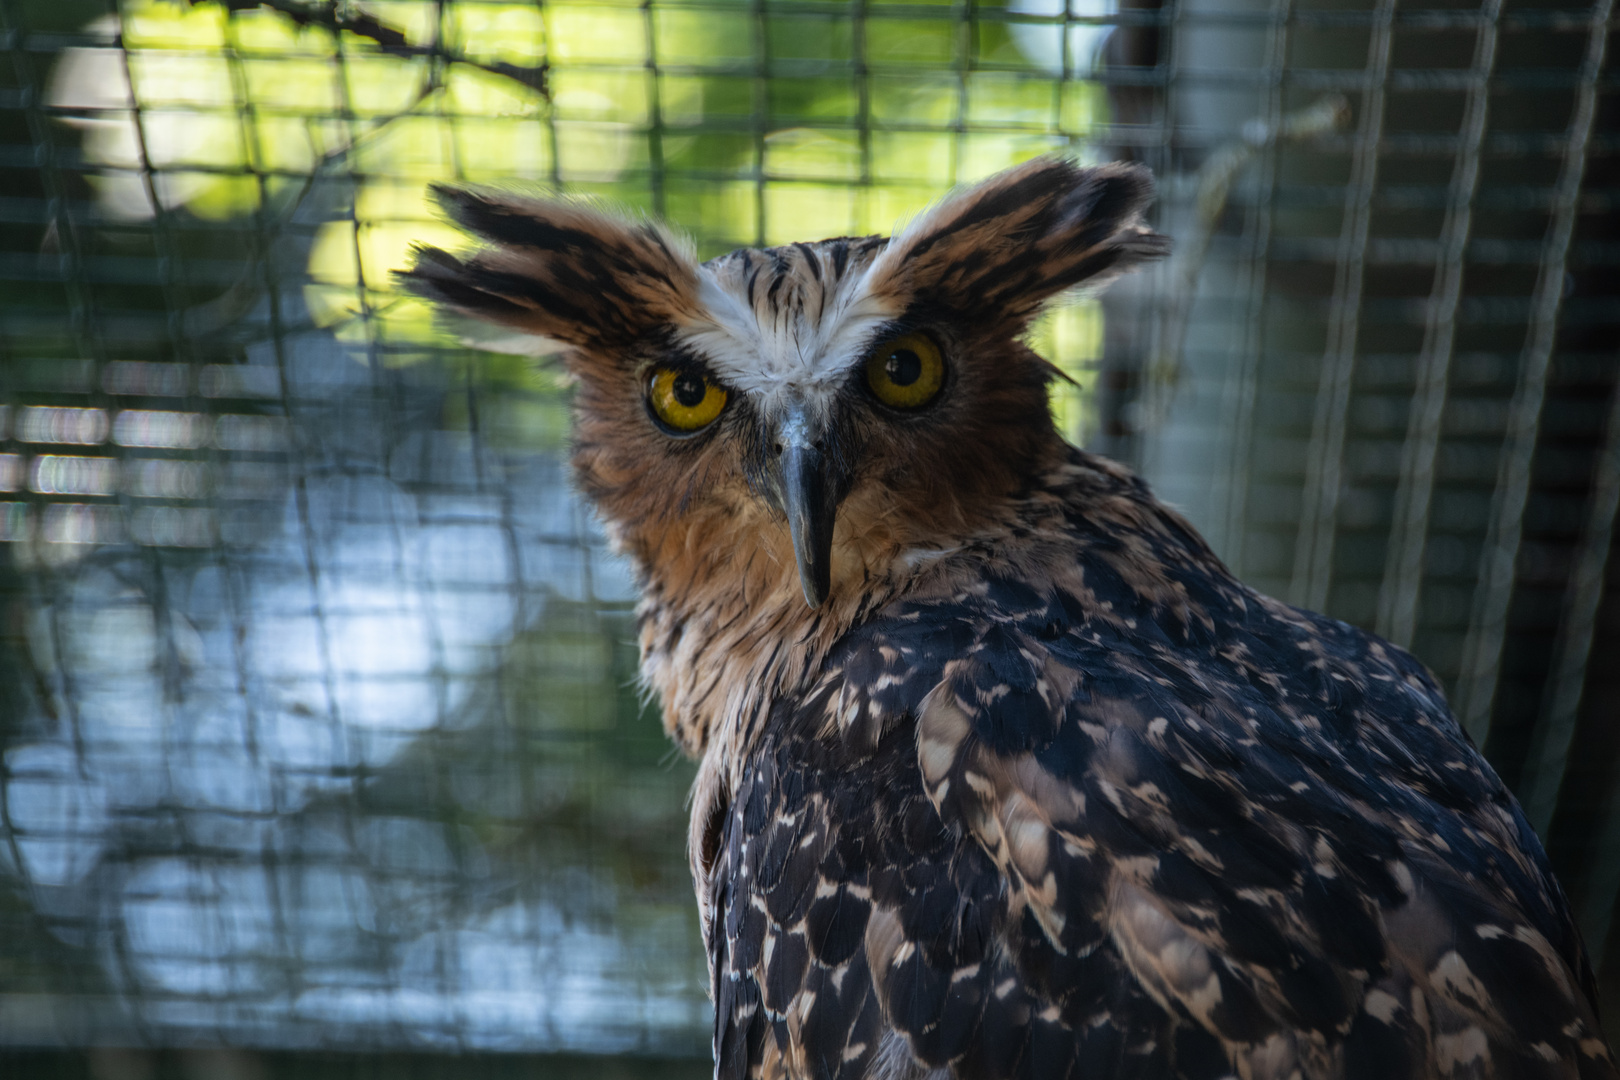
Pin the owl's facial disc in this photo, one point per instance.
(809, 497)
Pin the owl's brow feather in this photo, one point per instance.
(823, 262)
(811, 259)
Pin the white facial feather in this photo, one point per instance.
(794, 343)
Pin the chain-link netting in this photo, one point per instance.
(318, 721)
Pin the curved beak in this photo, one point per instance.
(810, 501)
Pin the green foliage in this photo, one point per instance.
(742, 125)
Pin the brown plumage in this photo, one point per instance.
(1002, 773)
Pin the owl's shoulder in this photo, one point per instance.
(1093, 576)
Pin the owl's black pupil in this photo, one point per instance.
(690, 390)
(903, 368)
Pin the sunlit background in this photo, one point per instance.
(320, 747)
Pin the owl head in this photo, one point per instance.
(812, 416)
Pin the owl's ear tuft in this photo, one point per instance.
(999, 250)
(558, 270)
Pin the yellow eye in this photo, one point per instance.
(906, 373)
(684, 400)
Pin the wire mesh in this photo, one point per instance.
(318, 728)
(1415, 395)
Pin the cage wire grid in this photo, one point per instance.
(319, 727)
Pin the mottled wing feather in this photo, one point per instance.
(1135, 821)
(858, 929)
(793, 993)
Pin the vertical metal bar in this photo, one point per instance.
(1144, 448)
(1487, 626)
(1324, 466)
(549, 115)
(344, 739)
(353, 131)
(761, 109)
(1169, 63)
(655, 114)
(1414, 493)
(447, 35)
(963, 13)
(1242, 387)
(863, 107)
(1569, 678)
(239, 590)
(1561, 699)
(1066, 69)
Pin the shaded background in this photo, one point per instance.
(320, 747)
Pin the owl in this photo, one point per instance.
(1001, 772)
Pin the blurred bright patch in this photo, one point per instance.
(741, 127)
